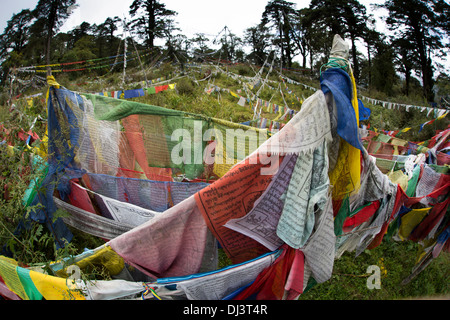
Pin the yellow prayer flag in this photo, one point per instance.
(354, 153)
(398, 177)
(30, 102)
(443, 116)
(355, 98)
(234, 94)
(410, 221)
(51, 81)
(54, 288)
(346, 175)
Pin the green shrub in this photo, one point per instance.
(185, 86)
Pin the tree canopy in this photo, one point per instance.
(418, 34)
(424, 24)
(151, 20)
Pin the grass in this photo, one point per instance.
(396, 260)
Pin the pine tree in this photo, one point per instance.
(425, 23)
(230, 44)
(384, 75)
(13, 41)
(15, 36)
(371, 37)
(53, 13)
(105, 36)
(406, 59)
(257, 37)
(346, 18)
(317, 38)
(279, 15)
(151, 20)
(200, 39)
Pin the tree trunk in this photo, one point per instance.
(283, 59)
(355, 60)
(370, 65)
(427, 79)
(407, 80)
(427, 73)
(288, 51)
(50, 26)
(151, 23)
(429, 76)
(49, 44)
(287, 40)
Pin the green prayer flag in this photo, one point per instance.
(343, 213)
